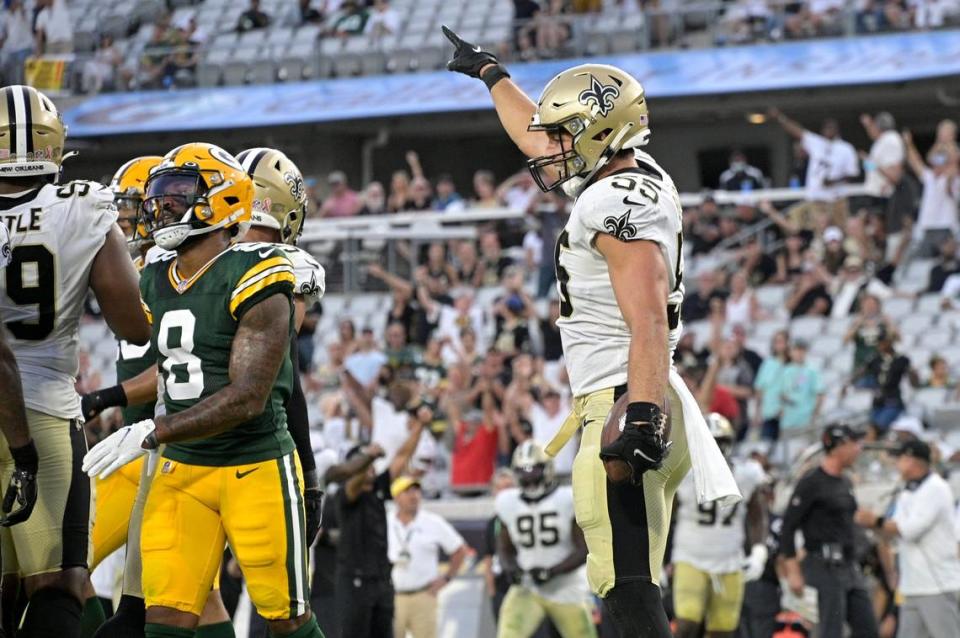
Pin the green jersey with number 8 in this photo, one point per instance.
(194, 323)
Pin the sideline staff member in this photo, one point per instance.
(823, 508)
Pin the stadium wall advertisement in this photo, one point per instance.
(673, 74)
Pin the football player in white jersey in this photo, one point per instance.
(279, 209)
(64, 241)
(13, 423)
(619, 270)
(543, 549)
(708, 541)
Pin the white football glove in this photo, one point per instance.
(118, 449)
(755, 563)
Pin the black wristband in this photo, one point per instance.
(310, 480)
(25, 457)
(494, 75)
(880, 521)
(643, 412)
(150, 441)
(113, 396)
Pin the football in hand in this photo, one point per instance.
(618, 470)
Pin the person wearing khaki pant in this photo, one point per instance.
(415, 539)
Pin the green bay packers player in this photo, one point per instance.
(279, 208)
(63, 242)
(619, 265)
(22, 490)
(222, 317)
(542, 548)
(708, 541)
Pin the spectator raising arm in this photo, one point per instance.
(359, 465)
(914, 159)
(790, 126)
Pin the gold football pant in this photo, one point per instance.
(57, 534)
(625, 525)
(192, 510)
(114, 503)
(523, 611)
(717, 597)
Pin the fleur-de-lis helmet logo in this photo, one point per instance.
(295, 182)
(599, 94)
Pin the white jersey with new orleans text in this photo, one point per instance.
(631, 205)
(55, 232)
(711, 537)
(541, 532)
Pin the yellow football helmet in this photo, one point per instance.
(32, 134)
(197, 188)
(128, 187)
(279, 196)
(602, 108)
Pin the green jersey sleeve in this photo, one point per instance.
(267, 272)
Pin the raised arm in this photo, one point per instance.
(405, 453)
(790, 126)
(914, 159)
(114, 281)
(514, 108)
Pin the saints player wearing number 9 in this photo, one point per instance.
(619, 267)
(222, 318)
(64, 243)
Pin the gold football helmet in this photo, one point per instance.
(534, 469)
(128, 187)
(279, 196)
(722, 431)
(602, 108)
(32, 134)
(197, 188)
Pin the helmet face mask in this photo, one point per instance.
(567, 162)
(534, 470)
(128, 188)
(722, 432)
(196, 189)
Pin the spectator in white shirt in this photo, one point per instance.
(53, 27)
(883, 166)
(929, 566)
(16, 41)
(383, 20)
(937, 219)
(832, 162)
(415, 538)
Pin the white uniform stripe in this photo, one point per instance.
(262, 275)
(297, 533)
(20, 117)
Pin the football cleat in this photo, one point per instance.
(279, 196)
(197, 188)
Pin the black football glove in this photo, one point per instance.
(95, 402)
(313, 506)
(642, 443)
(23, 485)
(541, 575)
(467, 58)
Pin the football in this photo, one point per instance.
(617, 470)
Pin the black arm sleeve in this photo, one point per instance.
(795, 514)
(297, 421)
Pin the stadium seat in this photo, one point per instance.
(235, 71)
(916, 275)
(806, 327)
(837, 326)
(898, 307)
(263, 70)
(857, 400)
(931, 398)
(935, 339)
(330, 48)
(928, 304)
(210, 69)
(826, 346)
(771, 296)
(914, 324)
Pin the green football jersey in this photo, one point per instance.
(131, 361)
(194, 323)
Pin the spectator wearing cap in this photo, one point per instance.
(342, 200)
(937, 218)
(477, 439)
(822, 507)
(741, 176)
(364, 587)
(883, 165)
(834, 255)
(415, 539)
(854, 284)
(921, 519)
(907, 428)
(802, 389)
(946, 266)
(832, 163)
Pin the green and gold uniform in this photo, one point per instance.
(244, 484)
